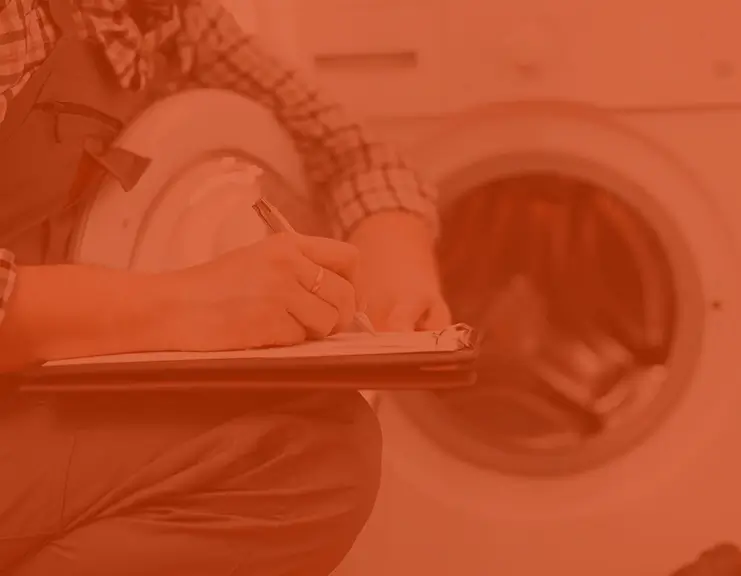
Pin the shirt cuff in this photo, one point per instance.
(7, 280)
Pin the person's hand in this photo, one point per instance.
(399, 274)
(278, 291)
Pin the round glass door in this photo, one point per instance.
(575, 301)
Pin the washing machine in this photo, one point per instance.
(591, 149)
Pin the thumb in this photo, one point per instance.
(437, 317)
(403, 318)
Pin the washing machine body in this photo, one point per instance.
(644, 498)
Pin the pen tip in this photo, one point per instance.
(364, 322)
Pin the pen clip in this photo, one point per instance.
(263, 211)
(272, 217)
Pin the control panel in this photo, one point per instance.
(429, 57)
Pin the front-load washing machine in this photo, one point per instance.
(612, 446)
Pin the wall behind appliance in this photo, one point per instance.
(275, 21)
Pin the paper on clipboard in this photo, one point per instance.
(452, 339)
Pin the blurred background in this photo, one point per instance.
(587, 155)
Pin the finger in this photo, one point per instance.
(437, 317)
(332, 288)
(287, 331)
(339, 257)
(319, 318)
(340, 294)
(404, 317)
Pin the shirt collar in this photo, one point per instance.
(130, 38)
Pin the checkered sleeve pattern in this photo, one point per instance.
(26, 39)
(358, 175)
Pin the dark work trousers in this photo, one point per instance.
(189, 484)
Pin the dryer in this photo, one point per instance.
(599, 159)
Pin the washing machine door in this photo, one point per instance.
(213, 154)
(610, 446)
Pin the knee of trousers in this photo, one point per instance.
(325, 449)
(317, 484)
(350, 452)
(364, 462)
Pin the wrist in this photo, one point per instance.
(396, 229)
(397, 244)
(58, 312)
(144, 315)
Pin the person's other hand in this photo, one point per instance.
(399, 274)
(261, 295)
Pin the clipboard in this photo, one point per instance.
(387, 362)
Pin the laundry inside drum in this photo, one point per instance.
(573, 293)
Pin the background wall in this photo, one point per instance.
(275, 20)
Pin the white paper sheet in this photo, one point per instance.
(453, 338)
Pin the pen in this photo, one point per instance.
(277, 223)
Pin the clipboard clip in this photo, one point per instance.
(465, 336)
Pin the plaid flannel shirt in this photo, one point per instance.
(358, 175)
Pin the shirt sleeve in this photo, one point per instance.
(7, 280)
(358, 175)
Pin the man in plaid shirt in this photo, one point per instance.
(255, 484)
